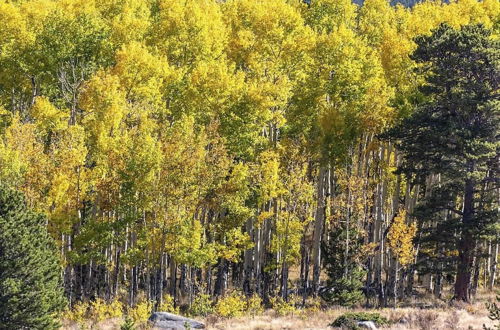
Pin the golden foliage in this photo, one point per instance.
(231, 305)
(141, 312)
(101, 310)
(400, 238)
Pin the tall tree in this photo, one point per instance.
(454, 133)
(30, 282)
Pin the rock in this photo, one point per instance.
(164, 320)
(404, 320)
(170, 325)
(367, 325)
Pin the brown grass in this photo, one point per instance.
(431, 315)
(401, 318)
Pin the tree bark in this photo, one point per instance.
(221, 282)
(318, 229)
(493, 269)
(248, 261)
(465, 246)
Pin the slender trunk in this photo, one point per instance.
(465, 246)
(159, 281)
(396, 277)
(284, 281)
(304, 269)
(148, 278)
(318, 230)
(477, 270)
(248, 261)
(493, 270)
(208, 280)
(221, 281)
(257, 260)
(173, 280)
(183, 285)
(117, 274)
(378, 233)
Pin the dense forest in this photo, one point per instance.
(179, 149)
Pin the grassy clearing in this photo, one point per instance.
(429, 315)
(401, 318)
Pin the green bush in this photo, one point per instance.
(350, 320)
(78, 313)
(282, 307)
(201, 306)
(128, 324)
(168, 305)
(141, 312)
(101, 310)
(254, 305)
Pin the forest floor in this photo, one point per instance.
(426, 313)
(401, 318)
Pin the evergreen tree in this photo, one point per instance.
(344, 267)
(30, 283)
(454, 133)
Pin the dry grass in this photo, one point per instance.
(435, 315)
(109, 324)
(317, 320)
(402, 319)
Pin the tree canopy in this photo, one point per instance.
(179, 149)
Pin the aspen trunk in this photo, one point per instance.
(173, 280)
(493, 269)
(248, 261)
(318, 229)
(221, 281)
(378, 233)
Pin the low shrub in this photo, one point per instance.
(201, 306)
(350, 320)
(231, 305)
(168, 305)
(100, 310)
(254, 305)
(141, 312)
(313, 305)
(78, 313)
(128, 324)
(283, 307)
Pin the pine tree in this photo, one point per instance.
(30, 281)
(454, 133)
(344, 268)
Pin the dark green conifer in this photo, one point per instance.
(30, 275)
(344, 267)
(454, 134)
